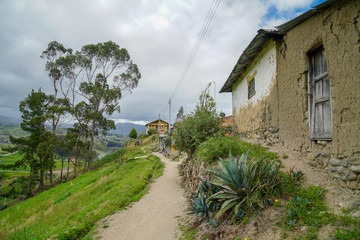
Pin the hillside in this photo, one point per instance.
(125, 128)
(9, 121)
(70, 210)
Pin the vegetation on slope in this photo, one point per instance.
(70, 210)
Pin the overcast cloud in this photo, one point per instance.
(159, 36)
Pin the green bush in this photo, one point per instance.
(200, 125)
(168, 141)
(220, 147)
(151, 131)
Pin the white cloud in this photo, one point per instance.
(159, 36)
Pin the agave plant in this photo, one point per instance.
(201, 206)
(244, 184)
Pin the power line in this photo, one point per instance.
(204, 28)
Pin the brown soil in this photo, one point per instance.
(154, 216)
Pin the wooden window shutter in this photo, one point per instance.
(320, 96)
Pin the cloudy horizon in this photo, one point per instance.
(159, 36)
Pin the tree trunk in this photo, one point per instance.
(75, 166)
(46, 175)
(51, 174)
(68, 166)
(91, 149)
(62, 167)
(30, 179)
(84, 167)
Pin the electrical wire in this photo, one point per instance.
(202, 33)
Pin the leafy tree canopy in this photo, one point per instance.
(133, 133)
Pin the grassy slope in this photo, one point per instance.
(74, 207)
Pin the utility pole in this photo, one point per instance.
(214, 92)
(159, 124)
(169, 114)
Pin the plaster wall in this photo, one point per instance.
(248, 112)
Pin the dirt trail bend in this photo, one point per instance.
(154, 216)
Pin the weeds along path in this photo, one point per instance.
(154, 216)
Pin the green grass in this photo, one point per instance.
(307, 208)
(70, 210)
(220, 147)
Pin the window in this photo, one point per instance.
(251, 88)
(320, 97)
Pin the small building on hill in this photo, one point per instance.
(159, 126)
(299, 86)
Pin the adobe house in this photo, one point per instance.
(159, 126)
(299, 86)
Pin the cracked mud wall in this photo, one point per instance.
(337, 29)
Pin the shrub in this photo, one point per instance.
(151, 131)
(200, 125)
(220, 147)
(168, 141)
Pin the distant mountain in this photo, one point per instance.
(125, 128)
(9, 121)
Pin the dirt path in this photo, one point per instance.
(154, 216)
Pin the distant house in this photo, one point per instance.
(159, 126)
(299, 85)
(227, 123)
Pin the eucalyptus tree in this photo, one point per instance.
(58, 107)
(109, 72)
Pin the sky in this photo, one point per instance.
(159, 35)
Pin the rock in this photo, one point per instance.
(333, 169)
(346, 177)
(323, 155)
(276, 135)
(319, 161)
(345, 163)
(355, 169)
(353, 185)
(310, 157)
(343, 184)
(313, 163)
(318, 155)
(326, 169)
(275, 129)
(355, 161)
(335, 162)
(262, 136)
(341, 156)
(356, 204)
(275, 140)
(336, 176)
(325, 162)
(323, 143)
(341, 169)
(352, 177)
